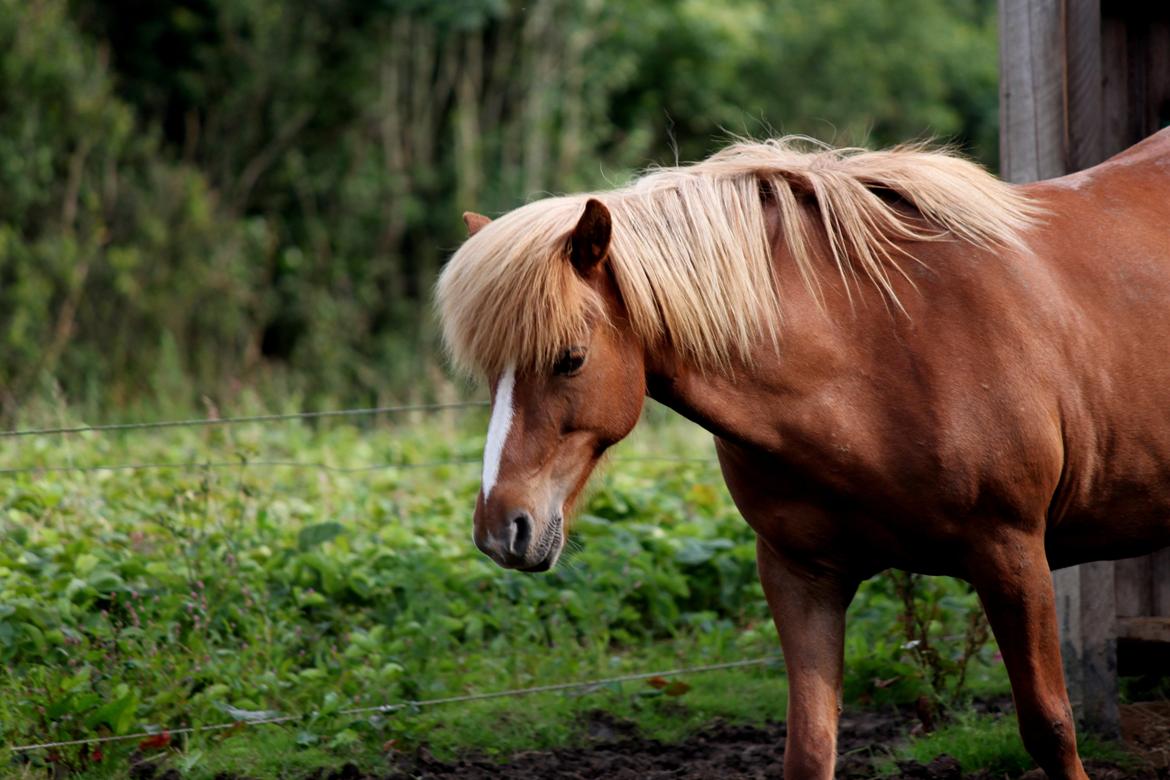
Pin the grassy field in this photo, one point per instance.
(244, 587)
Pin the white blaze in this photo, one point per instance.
(498, 429)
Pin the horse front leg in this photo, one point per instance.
(808, 607)
(1015, 585)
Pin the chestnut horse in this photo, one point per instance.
(905, 362)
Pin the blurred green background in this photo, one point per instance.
(206, 198)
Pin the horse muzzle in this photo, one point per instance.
(522, 543)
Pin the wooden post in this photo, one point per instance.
(1143, 613)
(1160, 583)
(1050, 88)
(1051, 99)
(1080, 80)
(1086, 606)
(1031, 91)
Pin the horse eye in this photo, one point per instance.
(569, 362)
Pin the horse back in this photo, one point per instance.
(1142, 168)
(1027, 387)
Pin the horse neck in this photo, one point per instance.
(734, 406)
(746, 402)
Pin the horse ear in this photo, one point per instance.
(475, 222)
(590, 239)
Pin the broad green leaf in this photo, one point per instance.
(313, 535)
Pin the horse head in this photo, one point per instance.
(553, 418)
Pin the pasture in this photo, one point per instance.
(303, 569)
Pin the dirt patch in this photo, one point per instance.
(1146, 729)
(721, 751)
(615, 751)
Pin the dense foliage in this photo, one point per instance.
(203, 202)
(202, 195)
(242, 585)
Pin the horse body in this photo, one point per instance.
(1114, 265)
(997, 407)
(1022, 389)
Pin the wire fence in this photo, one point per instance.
(254, 418)
(245, 463)
(239, 463)
(414, 705)
(297, 464)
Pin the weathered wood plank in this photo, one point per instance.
(1146, 629)
(1160, 584)
(1115, 84)
(1081, 80)
(1084, 119)
(1086, 608)
(1157, 113)
(1031, 97)
(1099, 648)
(1132, 584)
(1040, 139)
(1137, 43)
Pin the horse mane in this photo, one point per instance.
(690, 251)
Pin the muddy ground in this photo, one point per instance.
(748, 753)
(614, 751)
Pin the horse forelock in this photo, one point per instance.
(690, 251)
(509, 296)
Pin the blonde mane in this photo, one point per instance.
(690, 250)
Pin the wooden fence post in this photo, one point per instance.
(1051, 98)
(1086, 606)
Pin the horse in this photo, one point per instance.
(905, 363)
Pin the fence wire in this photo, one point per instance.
(195, 465)
(253, 418)
(236, 464)
(411, 705)
(270, 463)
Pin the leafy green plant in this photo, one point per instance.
(927, 610)
(161, 598)
(920, 639)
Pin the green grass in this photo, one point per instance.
(989, 742)
(503, 726)
(494, 728)
(172, 597)
(976, 742)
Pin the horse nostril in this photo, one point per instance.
(520, 534)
